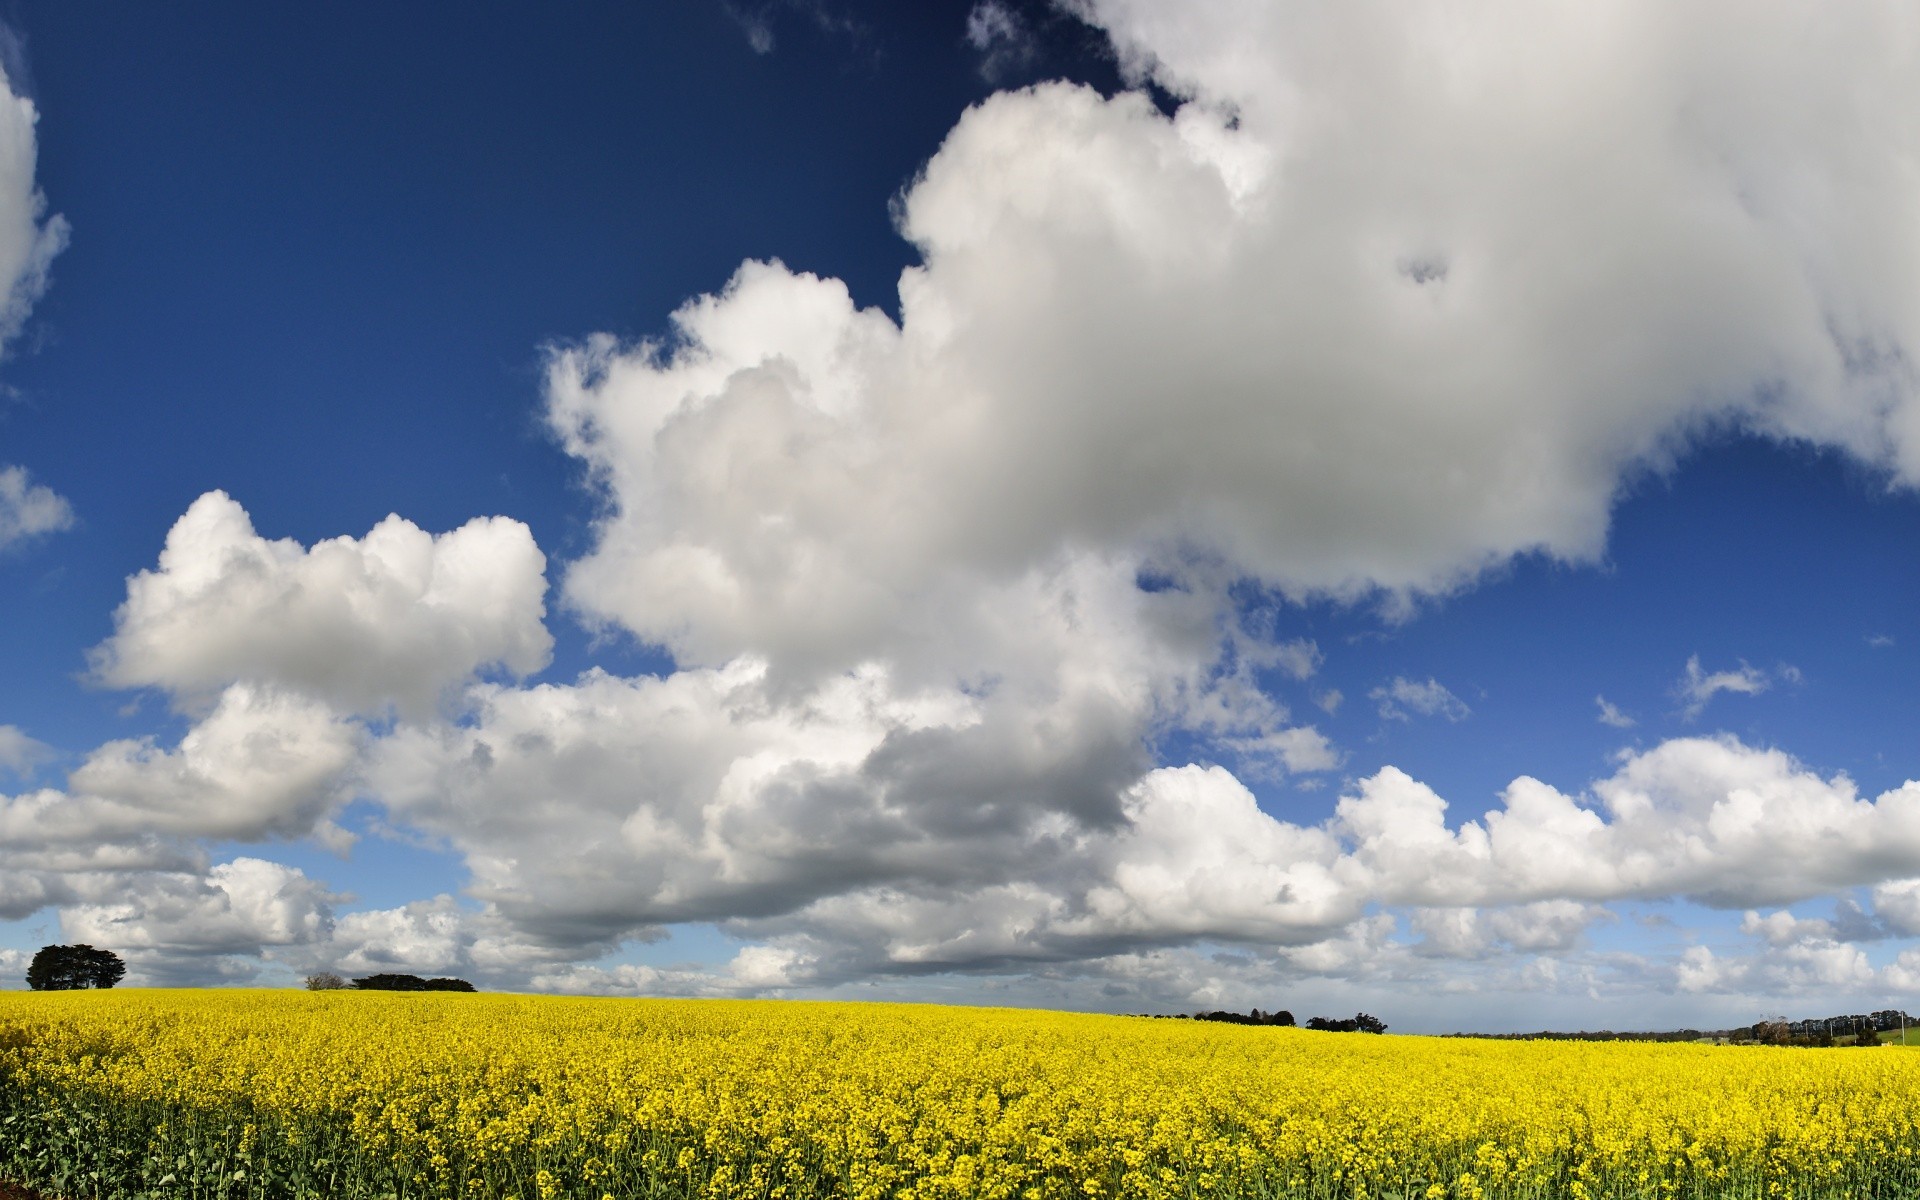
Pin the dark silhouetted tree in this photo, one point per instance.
(1358, 1023)
(70, 968)
(391, 983)
(410, 983)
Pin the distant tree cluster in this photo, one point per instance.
(325, 981)
(71, 968)
(1863, 1028)
(1252, 1017)
(1854, 1029)
(1602, 1035)
(409, 983)
(1358, 1023)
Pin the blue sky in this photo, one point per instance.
(483, 498)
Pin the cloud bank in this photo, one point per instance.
(1388, 300)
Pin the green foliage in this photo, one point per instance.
(70, 968)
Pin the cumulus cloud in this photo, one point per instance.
(261, 765)
(1341, 325)
(1797, 968)
(871, 834)
(28, 509)
(1545, 926)
(1130, 327)
(1389, 300)
(1896, 903)
(29, 238)
(1401, 698)
(399, 617)
(237, 907)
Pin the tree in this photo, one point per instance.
(70, 968)
(390, 983)
(325, 981)
(410, 983)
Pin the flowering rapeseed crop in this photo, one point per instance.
(276, 1094)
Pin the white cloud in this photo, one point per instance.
(397, 617)
(18, 752)
(1005, 43)
(1782, 928)
(1611, 715)
(237, 907)
(1402, 697)
(1299, 658)
(27, 509)
(1697, 687)
(1812, 965)
(176, 928)
(991, 21)
(1392, 300)
(29, 239)
(878, 832)
(756, 19)
(1896, 902)
(1545, 926)
(1331, 328)
(261, 765)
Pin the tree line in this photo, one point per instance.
(1358, 1023)
(327, 981)
(72, 968)
(1862, 1028)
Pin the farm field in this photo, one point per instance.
(291, 1094)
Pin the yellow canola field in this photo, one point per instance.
(292, 1094)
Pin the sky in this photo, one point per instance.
(1073, 503)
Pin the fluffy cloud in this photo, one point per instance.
(865, 833)
(1807, 965)
(1896, 903)
(28, 509)
(29, 238)
(237, 907)
(1386, 302)
(1344, 319)
(261, 764)
(398, 617)
(1713, 820)
(1554, 926)
(1389, 300)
